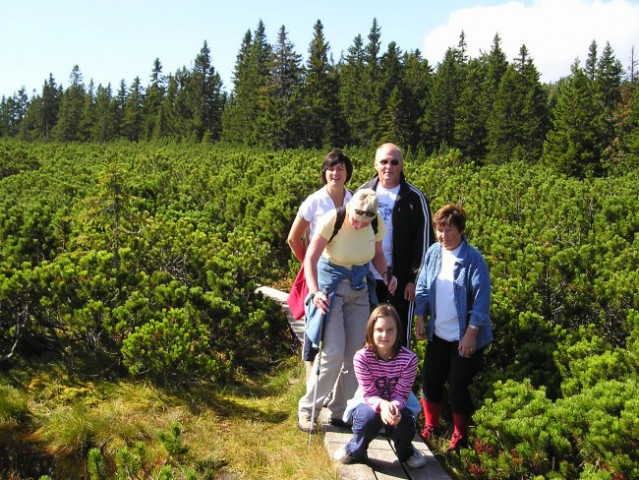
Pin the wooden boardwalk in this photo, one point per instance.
(383, 463)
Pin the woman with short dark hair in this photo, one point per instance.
(454, 289)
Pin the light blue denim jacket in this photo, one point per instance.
(330, 275)
(471, 291)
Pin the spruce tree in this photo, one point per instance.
(471, 112)
(590, 67)
(518, 122)
(392, 126)
(608, 78)
(355, 92)
(152, 102)
(235, 117)
(321, 96)
(206, 101)
(103, 128)
(87, 120)
(439, 121)
(131, 126)
(51, 95)
(279, 125)
(71, 106)
(574, 143)
(251, 77)
(118, 106)
(417, 81)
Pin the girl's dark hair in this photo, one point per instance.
(383, 310)
(334, 157)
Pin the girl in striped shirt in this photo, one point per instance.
(385, 372)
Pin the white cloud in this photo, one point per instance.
(554, 32)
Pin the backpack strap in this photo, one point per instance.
(339, 221)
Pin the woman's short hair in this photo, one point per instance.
(384, 310)
(450, 214)
(365, 202)
(334, 157)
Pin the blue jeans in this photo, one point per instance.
(367, 424)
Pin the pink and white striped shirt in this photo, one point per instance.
(385, 380)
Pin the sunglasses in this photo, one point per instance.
(393, 162)
(362, 213)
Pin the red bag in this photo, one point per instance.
(297, 295)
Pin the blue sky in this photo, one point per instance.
(118, 40)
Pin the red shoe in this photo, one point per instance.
(457, 443)
(429, 433)
(432, 416)
(460, 435)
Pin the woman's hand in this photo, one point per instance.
(420, 328)
(468, 344)
(389, 413)
(392, 284)
(321, 301)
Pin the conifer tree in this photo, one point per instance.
(131, 126)
(42, 112)
(152, 102)
(206, 101)
(51, 95)
(165, 121)
(236, 116)
(31, 125)
(320, 96)
(590, 67)
(71, 106)
(13, 113)
(439, 120)
(355, 92)
(518, 121)
(496, 65)
(471, 112)
(392, 126)
(118, 107)
(103, 128)
(417, 81)
(373, 80)
(87, 120)
(574, 143)
(251, 78)
(280, 122)
(608, 77)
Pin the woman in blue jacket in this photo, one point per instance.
(454, 289)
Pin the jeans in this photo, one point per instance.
(367, 424)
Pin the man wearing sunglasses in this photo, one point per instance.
(406, 214)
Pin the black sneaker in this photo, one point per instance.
(338, 422)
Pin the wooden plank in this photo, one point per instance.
(297, 326)
(382, 462)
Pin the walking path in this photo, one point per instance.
(383, 463)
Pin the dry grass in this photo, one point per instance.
(246, 432)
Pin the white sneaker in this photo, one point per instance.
(342, 456)
(305, 423)
(416, 460)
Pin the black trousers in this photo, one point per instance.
(403, 307)
(442, 365)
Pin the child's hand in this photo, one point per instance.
(389, 413)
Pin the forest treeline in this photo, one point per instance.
(140, 261)
(493, 110)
